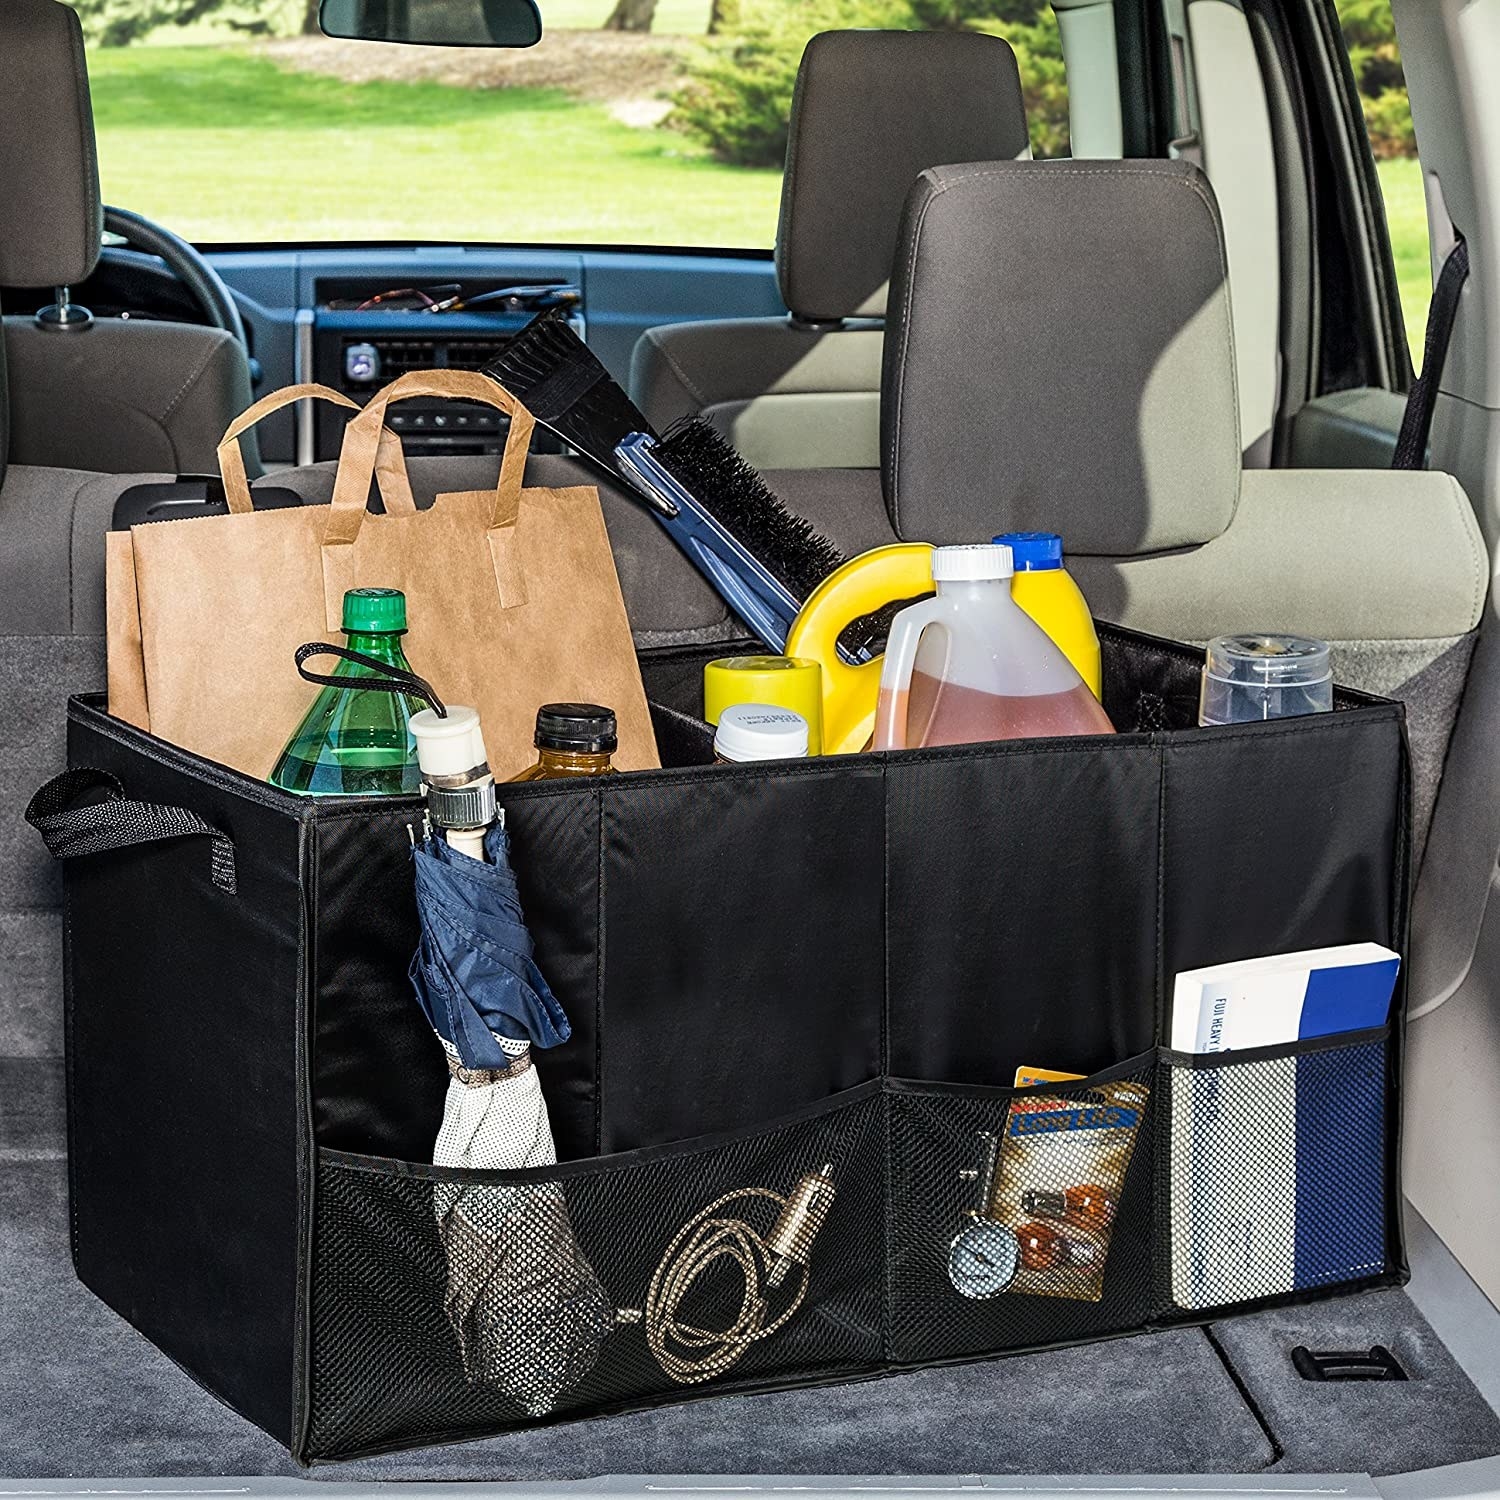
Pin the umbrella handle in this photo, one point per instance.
(70, 827)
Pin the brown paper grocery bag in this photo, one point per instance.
(511, 593)
(126, 663)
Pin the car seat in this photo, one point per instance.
(117, 396)
(871, 109)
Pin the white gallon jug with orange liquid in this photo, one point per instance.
(971, 665)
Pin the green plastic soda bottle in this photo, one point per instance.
(355, 742)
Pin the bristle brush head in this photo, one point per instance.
(791, 549)
(560, 381)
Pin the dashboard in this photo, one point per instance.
(329, 316)
(332, 315)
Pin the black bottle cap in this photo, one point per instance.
(578, 728)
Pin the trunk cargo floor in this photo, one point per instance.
(82, 1395)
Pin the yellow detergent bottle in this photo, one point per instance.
(886, 575)
(1046, 591)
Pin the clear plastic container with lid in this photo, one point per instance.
(971, 665)
(1252, 677)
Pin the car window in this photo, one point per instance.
(1370, 35)
(640, 122)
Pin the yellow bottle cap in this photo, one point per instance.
(788, 682)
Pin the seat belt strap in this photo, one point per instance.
(1416, 424)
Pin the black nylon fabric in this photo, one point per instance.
(1421, 402)
(70, 827)
(254, 1089)
(185, 1104)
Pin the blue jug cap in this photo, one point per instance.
(1033, 551)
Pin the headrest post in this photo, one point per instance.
(816, 325)
(64, 315)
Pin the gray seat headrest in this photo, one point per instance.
(1059, 357)
(50, 216)
(871, 110)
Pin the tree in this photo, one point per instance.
(736, 93)
(964, 15)
(118, 23)
(631, 15)
(723, 15)
(1370, 35)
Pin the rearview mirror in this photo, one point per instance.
(434, 23)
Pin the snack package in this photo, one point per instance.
(1049, 1194)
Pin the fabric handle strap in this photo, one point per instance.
(1416, 424)
(387, 679)
(71, 828)
(390, 471)
(352, 483)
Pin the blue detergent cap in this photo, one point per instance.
(1033, 551)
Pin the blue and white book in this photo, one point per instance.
(1286, 997)
(1278, 1168)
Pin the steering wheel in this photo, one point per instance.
(202, 283)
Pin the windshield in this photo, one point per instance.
(633, 122)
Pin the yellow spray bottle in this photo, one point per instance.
(1046, 591)
(864, 584)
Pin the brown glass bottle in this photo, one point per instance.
(572, 739)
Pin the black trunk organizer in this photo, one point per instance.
(768, 969)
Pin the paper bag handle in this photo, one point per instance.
(352, 487)
(390, 471)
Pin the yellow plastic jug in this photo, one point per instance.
(1045, 589)
(864, 584)
(781, 681)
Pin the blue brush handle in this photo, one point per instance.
(742, 581)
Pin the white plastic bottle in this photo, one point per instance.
(971, 665)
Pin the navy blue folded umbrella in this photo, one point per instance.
(528, 1311)
(473, 971)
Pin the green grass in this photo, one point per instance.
(219, 144)
(673, 17)
(1406, 213)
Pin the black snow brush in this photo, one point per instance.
(763, 560)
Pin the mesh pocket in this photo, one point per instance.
(1275, 1173)
(1020, 1217)
(450, 1304)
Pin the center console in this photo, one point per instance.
(361, 335)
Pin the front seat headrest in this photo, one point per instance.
(1059, 357)
(50, 215)
(870, 111)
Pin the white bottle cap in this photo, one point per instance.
(976, 564)
(449, 749)
(760, 731)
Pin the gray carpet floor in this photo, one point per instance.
(82, 1395)
(1433, 1417)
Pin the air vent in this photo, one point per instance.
(398, 355)
(473, 354)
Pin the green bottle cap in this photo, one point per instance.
(375, 610)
